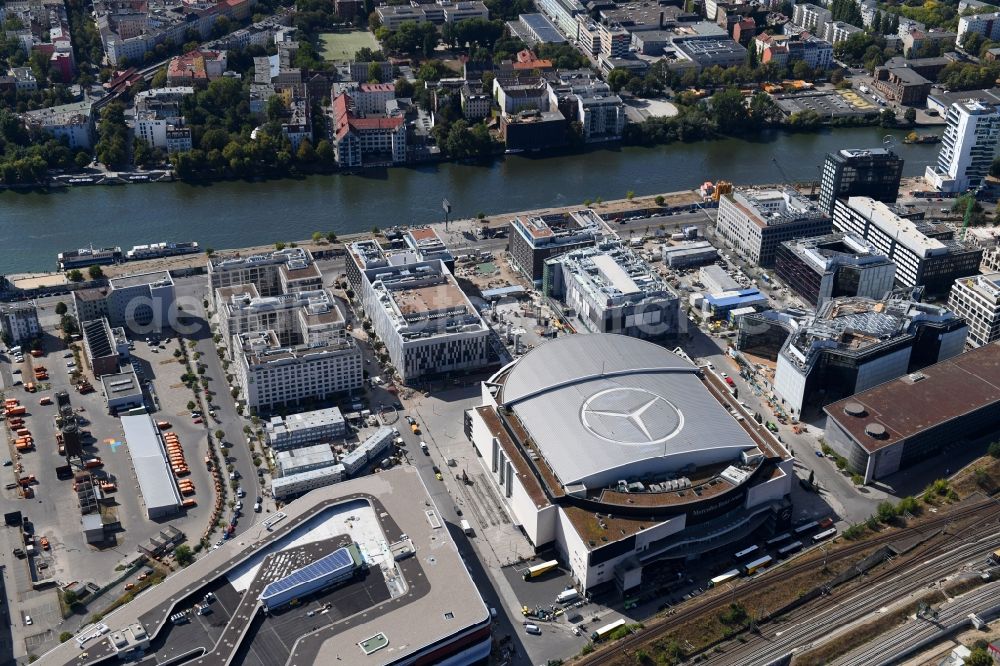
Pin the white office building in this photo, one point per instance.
(977, 299)
(294, 430)
(294, 485)
(611, 290)
(924, 254)
(755, 222)
(968, 146)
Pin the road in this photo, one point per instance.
(192, 290)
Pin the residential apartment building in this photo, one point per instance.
(609, 289)
(196, 68)
(977, 299)
(968, 146)
(476, 104)
(428, 326)
(366, 141)
(832, 266)
(72, 122)
(811, 17)
(521, 93)
(295, 430)
(393, 16)
(372, 97)
(535, 239)
(860, 172)
(838, 31)
(157, 114)
(755, 222)
(987, 25)
(19, 322)
(583, 97)
(924, 254)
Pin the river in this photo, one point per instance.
(35, 226)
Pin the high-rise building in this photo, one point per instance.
(967, 147)
(925, 254)
(860, 172)
(831, 266)
(977, 298)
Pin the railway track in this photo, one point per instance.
(987, 508)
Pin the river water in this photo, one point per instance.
(35, 226)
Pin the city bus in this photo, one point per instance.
(825, 534)
(724, 578)
(760, 563)
(746, 552)
(603, 632)
(781, 538)
(539, 569)
(789, 549)
(808, 527)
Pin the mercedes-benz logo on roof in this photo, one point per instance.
(627, 415)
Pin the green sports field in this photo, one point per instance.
(340, 46)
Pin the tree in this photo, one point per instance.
(886, 511)
(910, 116)
(331, 236)
(95, 272)
(306, 153)
(75, 275)
(61, 308)
(111, 148)
(979, 657)
(324, 152)
(618, 78)
(183, 555)
(659, 200)
(65, 636)
(630, 195)
(279, 246)
(994, 449)
(191, 405)
(317, 236)
(887, 118)
(70, 597)
(729, 110)
(374, 72)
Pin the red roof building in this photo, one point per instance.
(366, 141)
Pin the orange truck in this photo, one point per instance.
(23, 432)
(16, 410)
(91, 463)
(37, 353)
(29, 387)
(26, 481)
(46, 400)
(188, 503)
(163, 425)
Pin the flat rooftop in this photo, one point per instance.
(924, 399)
(441, 600)
(419, 301)
(139, 280)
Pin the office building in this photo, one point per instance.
(428, 326)
(142, 303)
(854, 172)
(621, 456)
(755, 222)
(536, 29)
(427, 244)
(721, 305)
(295, 485)
(896, 424)
(305, 459)
(832, 266)
(977, 300)
(925, 254)
(609, 289)
(535, 239)
(852, 344)
(968, 146)
(369, 452)
(122, 391)
(295, 430)
(19, 322)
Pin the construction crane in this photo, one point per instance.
(969, 208)
(789, 181)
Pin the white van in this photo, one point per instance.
(466, 527)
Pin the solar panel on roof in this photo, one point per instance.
(335, 563)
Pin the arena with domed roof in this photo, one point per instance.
(622, 454)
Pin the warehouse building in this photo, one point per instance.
(689, 253)
(896, 424)
(294, 430)
(611, 290)
(825, 267)
(339, 566)
(852, 344)
(621, 455)
(925, 254)
(152, 469)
